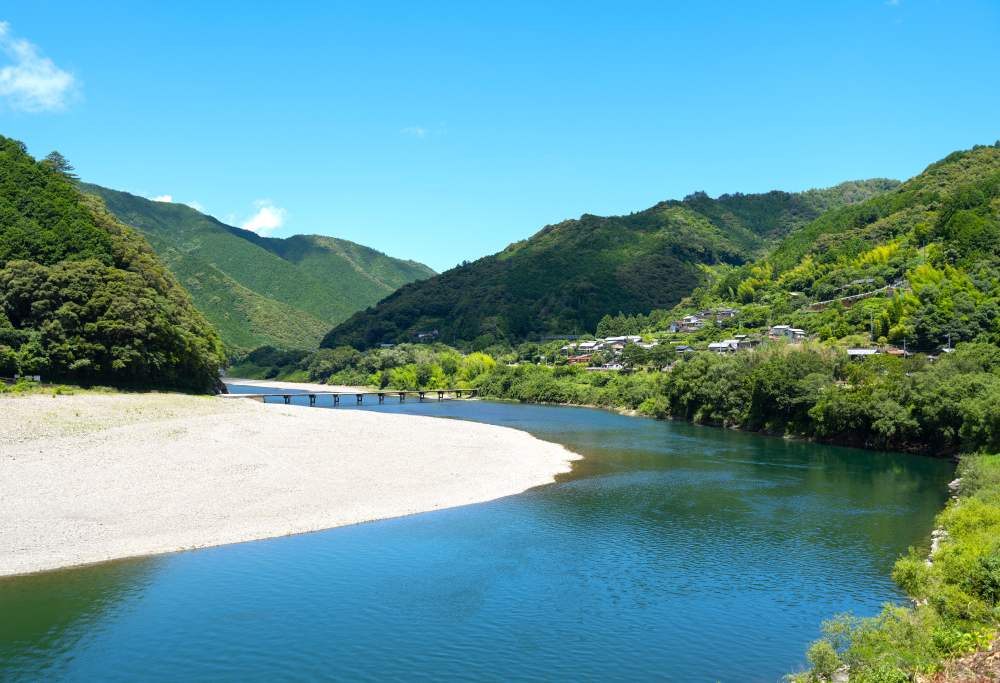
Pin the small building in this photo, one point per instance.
(746, 342)
(727, 346)
(792, 334)
(858, 355)
(579, 360)
(613, 365)
(724, 313)
(634, 338)
(684, 348)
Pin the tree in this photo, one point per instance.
(61, 165)
(662, 355)
(632, 355)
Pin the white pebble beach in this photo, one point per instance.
(87, 478)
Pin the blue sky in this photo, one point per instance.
(445, 131)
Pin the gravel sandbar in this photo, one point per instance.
(88, 478)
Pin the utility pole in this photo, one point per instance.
(871, 314)
(949, 341)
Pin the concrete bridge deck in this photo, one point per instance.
(422, 393)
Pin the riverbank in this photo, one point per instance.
(87, 478)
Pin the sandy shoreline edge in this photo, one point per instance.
(90, 478)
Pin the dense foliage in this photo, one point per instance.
(956, 596)
(809, 390)
(567, 277)
(937, 236)
(262, 290)
(407, 366)
(84, 298)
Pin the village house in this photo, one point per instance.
(790, 333)
(748, 341)
(724, 313)
(579, 360)
(858, 355)
(727, 346)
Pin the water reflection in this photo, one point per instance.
(46, 617)
(669, 543)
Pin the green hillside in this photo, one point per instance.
(84, 298)
(262, 290)
(568, 276)
(937, 234)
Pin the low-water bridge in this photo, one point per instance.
(360, 395)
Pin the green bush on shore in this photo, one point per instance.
(956, 596)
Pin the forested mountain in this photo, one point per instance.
(937, 234)
(568, 276)
(84, 298)
(286, 293)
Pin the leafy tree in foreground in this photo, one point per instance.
(633, 355)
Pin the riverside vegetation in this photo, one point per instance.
(83, 298)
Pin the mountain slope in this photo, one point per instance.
(281, 292)
(568, 276)
(84, 298)
(937, 235)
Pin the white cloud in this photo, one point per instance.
(163, 198)
(196, 206)
(267, 219)
(33, 83)
(417, 132)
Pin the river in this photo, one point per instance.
(671, 552)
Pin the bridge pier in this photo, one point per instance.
(381, 398)
(312, 400)
(402, 395)
(288, 399)
(359, 398)
(336, 399)
(440, 395)
(421, 394)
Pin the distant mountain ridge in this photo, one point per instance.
(259, 290)
(568, 276)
